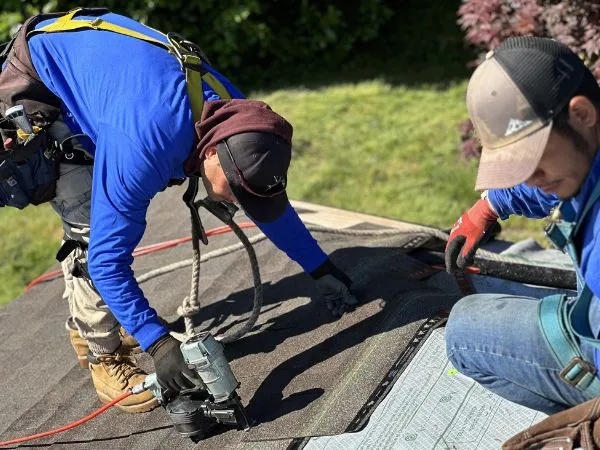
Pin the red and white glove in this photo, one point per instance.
(467, 234)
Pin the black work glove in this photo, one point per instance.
(171, 370)
(334, 286)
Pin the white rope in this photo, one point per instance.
(385, 232)
(261, 237)
(187, 262)
(191, 305)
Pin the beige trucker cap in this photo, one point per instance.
(512, 98)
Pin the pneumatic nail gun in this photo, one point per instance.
(195, 412)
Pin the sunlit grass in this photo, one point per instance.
(385, 150)
(29, 242)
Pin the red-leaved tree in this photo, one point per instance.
(576, 23)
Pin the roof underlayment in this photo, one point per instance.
(302, 372)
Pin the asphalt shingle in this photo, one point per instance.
(302, 372)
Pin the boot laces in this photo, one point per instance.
(121, 367)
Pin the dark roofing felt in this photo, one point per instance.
(302, 372)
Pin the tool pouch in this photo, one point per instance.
(32, 181)
(19, 81)
(575, 428)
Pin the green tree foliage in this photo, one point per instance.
(253, 35)
(12, 13)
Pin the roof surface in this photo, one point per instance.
(303, 373)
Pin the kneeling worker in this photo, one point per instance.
(536, 108)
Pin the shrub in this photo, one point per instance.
(470, 147)
(252, 38)
(489, 22)
(576, 23)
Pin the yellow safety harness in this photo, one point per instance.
(187, 53)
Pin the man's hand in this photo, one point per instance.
(172, 372)
(334, 286)
(467, 234)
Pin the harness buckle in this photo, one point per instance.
(578, 373)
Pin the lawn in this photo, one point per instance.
(386, 150)
(29, 242)
(373, 147)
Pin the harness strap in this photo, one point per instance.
(191, 63)
(578, 318)
(564, 322)
(68, 23)
(588, 206)
(193, 81)
(68, 247)
(553, 319)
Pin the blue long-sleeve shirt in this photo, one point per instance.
(130, 98)
(533, 203)
(522, 200)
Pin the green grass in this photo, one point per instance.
(382, 149)
(372, 147)
(379, 149)
(29, 242)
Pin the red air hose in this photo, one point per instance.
(145, 250)
(71, 425)
(138, 252)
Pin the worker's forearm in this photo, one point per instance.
(290, 235)
(521, 200)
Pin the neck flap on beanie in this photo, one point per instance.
(224, 118)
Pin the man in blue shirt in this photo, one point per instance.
(130, 98)
(536, 108)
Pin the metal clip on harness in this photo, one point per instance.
(182, 47)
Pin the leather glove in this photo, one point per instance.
(334, 286)
(172, 372)
(467, 234)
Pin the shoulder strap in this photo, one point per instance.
(578, 315)
(189, 56)
(68, 23)
(588, 206)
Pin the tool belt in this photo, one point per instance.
(21, 85)
(575, 428)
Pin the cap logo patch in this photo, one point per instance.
(516, 125)
(277, 180)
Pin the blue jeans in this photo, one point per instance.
(495, 339)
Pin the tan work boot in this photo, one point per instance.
(128, 343)
(113, 374)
